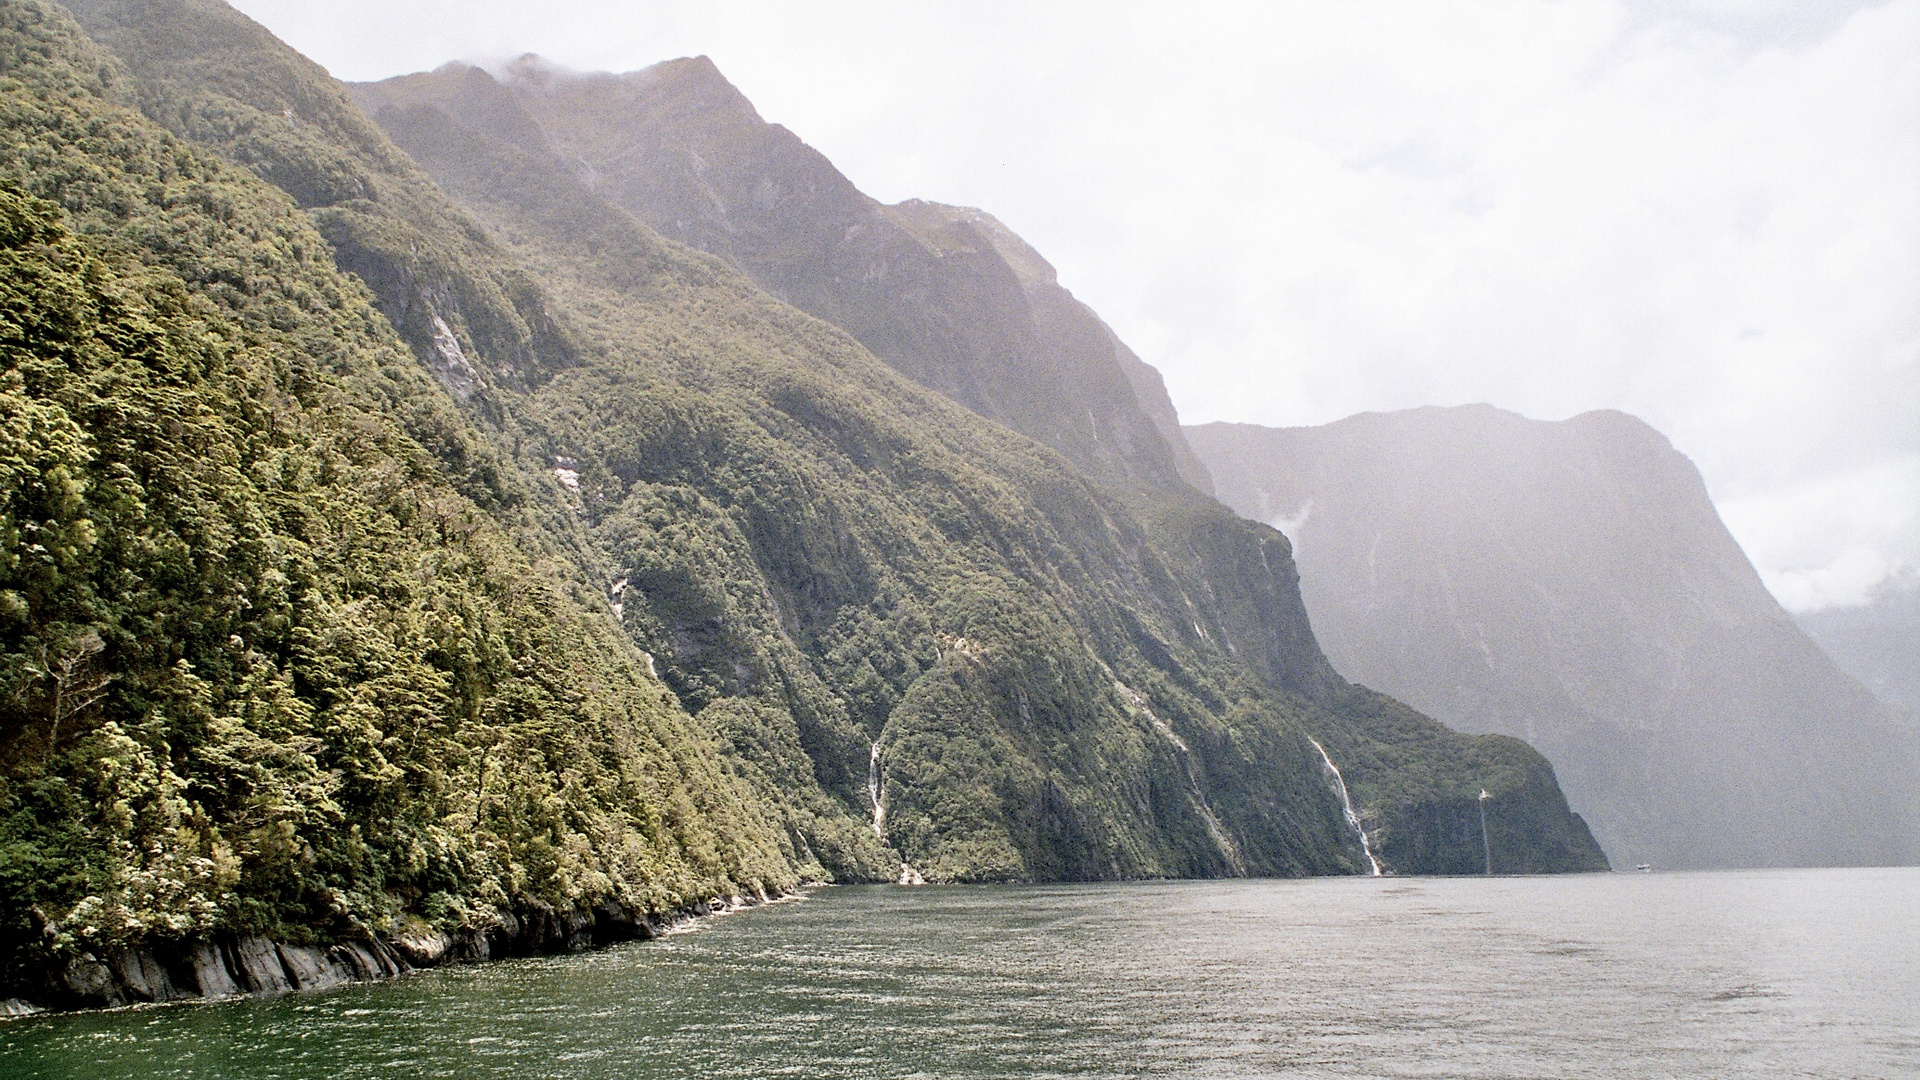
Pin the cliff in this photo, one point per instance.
(1571, 584)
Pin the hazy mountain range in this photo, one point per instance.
(1570, 583)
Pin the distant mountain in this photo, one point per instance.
(1571, 584)
(947, 295)
(1878, 643)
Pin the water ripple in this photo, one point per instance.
(1802, 973)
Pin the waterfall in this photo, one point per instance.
(873, 792)
(1484, 842)
(1346, 806)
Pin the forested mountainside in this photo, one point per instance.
(1571, 583)
(946, 295)
(383, 566)
(271, 663)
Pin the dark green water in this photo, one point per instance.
(1760, 974)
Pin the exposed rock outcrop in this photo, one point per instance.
(228, 966)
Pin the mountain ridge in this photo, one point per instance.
(427, 115)
(946, 295)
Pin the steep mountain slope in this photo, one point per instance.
(819, 558)
(1571, 583)
(270, 667)
(1235, 588)
(946, 295)
(645, 586)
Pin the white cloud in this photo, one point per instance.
(1836, 540)
(1706, 213)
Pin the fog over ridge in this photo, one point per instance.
(1701, 214)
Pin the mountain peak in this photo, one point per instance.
(529, 69)
(691, 84)
(946, 295)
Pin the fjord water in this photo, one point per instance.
(1762, 973)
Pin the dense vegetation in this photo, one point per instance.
(372, 557)
(265, 666)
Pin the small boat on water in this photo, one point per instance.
(1643, 868)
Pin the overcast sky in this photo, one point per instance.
(1706, 213)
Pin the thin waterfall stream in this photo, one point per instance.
(1485, 844)
(873, 792)
(1346, 806)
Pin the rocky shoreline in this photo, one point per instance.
(231, 966)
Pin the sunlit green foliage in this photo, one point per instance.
(264, 664)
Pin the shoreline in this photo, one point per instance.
(234, 967)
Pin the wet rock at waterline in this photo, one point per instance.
(255, 965)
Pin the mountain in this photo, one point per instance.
(1877, 643)
(475, 137)
(946, 295)
(1570, 583)
(410, 554)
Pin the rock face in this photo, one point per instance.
(209, 970)
(947, 295)
(1571, 584)
(227, 966)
